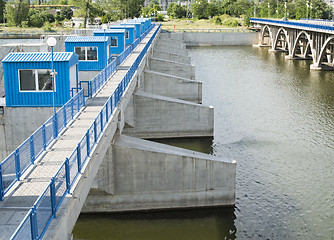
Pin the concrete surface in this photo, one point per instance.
(172, 86)
(143, 175)
(171, 67)
(162, 117)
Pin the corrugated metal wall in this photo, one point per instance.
(90, 65)
(15, 98)
(121, 41)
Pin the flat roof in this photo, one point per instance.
(38, 57)
(87, 39)
(110, 31)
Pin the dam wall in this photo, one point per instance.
(193, 39)
(137, 174)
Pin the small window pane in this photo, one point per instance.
(27, 80)
(91, 53)
(113, 42)
(81, 52)
(127, 34)
(44, 80)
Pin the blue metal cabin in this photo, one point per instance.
(142, 25)
(93, 51)
(117, 38)
(137, 27)
(28, 82)
(129, 32)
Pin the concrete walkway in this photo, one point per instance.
(18, 202)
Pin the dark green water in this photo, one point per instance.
(275, 117)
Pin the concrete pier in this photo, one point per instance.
(172, 86)
(143, 175)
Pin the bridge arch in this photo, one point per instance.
(326, 55)
(281, 40)
(266, 36)
(299, 47)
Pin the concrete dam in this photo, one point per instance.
(123, 171)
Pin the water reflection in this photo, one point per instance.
(199, 144)
(276, 118)
(215, 224)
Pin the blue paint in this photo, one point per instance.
(112, 33)
(101, 43)
(14, 62)
(128, 28)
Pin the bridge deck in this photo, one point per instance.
(18, 202)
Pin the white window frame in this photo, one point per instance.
(36, 81)
(86, 55)
(114, 37)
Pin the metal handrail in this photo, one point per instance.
(94, 132)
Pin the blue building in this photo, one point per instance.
(138, 21)
(93, 52)
(137, 27)
(117, 39)
(28, 82)
(129, 32)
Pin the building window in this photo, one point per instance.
(114, 42)
(35, 80)
(127, 34)
(86, 53)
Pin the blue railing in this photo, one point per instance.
(295, 24)
(12, 168)
(120, 58)
(91, 87)
(39, 217)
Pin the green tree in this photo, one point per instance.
(176, 11)
(131, 8)
(199, 9)
(66, 13)
(87, 10)
(37, 18)
(16, 12)
(2, 8)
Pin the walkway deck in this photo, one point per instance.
(17, 202)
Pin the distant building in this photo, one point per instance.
(164, 4)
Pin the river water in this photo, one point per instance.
(275, 117)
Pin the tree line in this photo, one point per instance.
(296, 9)
(22, 13)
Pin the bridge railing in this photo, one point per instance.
(39, 217)
(294, 24)
(211, 30)
(12, 168)
(101, 78)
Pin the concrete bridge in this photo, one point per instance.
(100, 163)
(300, 40)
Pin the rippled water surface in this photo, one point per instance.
(276, 118)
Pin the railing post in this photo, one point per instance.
(32, 149)
(67, 174)
(64, 113)
(95, 133)
(1, 185)
(72, 113)
(83, 99)
(33, 223)
(107, 112)
(101, 115)
(79, 158)
(87, 141)
(55, 126)
(17, 164)
(53, 196)
(44, 137)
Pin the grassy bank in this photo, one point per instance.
(199, 24)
